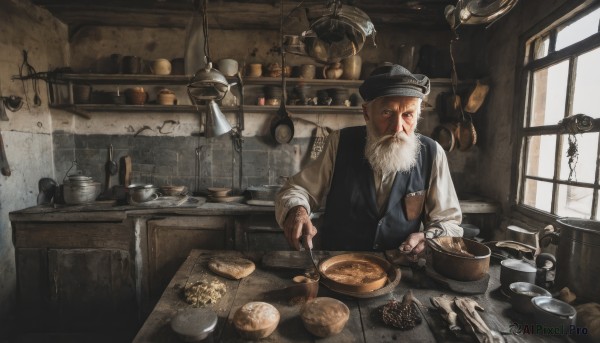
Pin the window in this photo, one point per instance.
(559, 172)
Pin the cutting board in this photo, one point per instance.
(465, 287)
(125, 170)
(291, 259)
(260, 202)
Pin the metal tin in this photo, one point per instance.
(194, 324)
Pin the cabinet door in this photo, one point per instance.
(170, 240)
(92, 288)
(64, 290)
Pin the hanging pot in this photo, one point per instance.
(445, 135)
(466, 135)
(282, 128)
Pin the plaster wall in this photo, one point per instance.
(27, 135)
(497, 146)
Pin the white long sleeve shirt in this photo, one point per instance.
(310, 186)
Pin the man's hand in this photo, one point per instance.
(297, 224)
(414, 244)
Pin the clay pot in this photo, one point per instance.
(352, 66)
(254, 70)
(136, 96)
(307, 71)
(228, 66)
(81, 94)
(132, 65)
(161, 66)
(166, 97)
(333, 71)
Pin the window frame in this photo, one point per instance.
(526, 68)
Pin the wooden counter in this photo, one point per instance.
(362, 326)
(107, 211)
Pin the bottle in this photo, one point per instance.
(194, 56)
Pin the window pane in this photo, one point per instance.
(579, 30)
(541, 47)
(584, 166)
(549, 94)
(574, 201)
(538, 194)
(587, 88)
(540, 156)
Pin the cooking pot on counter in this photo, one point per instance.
(137, 193)
(577, 256)
(513, 270)
(460, 267)
(79, 189)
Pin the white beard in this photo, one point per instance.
(391, 153)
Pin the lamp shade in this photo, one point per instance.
(216, 123)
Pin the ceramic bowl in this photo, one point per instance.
(171, 190)
(217, 192)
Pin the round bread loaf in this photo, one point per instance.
(324, 316)
(256, 320)
(231, 267)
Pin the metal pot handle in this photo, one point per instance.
(541, 275)
(541, 261)
(553, 236)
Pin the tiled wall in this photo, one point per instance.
(172, 160)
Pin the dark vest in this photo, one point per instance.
(352, 220)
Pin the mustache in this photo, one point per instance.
(398, 137)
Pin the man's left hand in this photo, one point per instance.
(414, 244)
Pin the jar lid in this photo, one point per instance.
(194, 324)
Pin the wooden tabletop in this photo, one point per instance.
(266, 283)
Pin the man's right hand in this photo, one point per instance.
(297, 224)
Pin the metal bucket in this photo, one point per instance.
(577, 256)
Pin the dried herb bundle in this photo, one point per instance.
(202, 293)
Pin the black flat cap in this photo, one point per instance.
(394, 80)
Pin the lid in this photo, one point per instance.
(194, 323)
(140, 185)
(518, 265)
(79, 178)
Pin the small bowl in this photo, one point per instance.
(218, 192)
(521, 294)
(171, 190)
(553, 313)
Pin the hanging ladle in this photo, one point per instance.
(282, 128)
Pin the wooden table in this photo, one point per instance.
(262, 285)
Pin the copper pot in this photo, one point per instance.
(461, 268)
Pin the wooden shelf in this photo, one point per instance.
(184, 80)
(124, 79)
(190, 108)
(307, 109)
